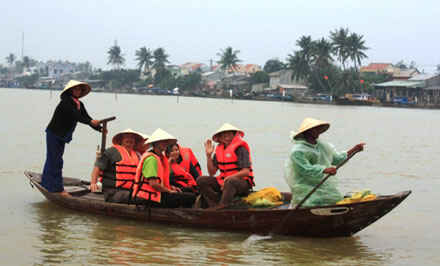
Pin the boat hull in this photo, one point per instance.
(326, 221)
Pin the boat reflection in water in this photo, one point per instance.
(69, 237)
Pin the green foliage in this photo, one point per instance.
(189, 82)
(339, 39)
(115, 57)
(228, 59)
(11, 59)
(3, 70)
(164, 79)
(118, 79)
(259, 77)
(313, 62)
(144, 57)
(273, 65)
(160, 59)
(28, 81)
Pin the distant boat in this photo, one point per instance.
(355, 99)
(323, 221)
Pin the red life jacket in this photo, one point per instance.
(182, 177)
(125, 168)
(141, 188)
(227, 161)
(187, 158)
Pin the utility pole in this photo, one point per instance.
(22, 45)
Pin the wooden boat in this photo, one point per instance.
(325, 221)
(346, 101)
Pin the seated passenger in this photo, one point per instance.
(189, 162)
(118, 167)
(232, 158)
(179, 177)
(142, 146)
(152, 185)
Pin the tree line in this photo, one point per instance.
(326, 65)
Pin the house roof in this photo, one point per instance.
(376, 67)
(402, 84)
(423, 77)
(405, 73)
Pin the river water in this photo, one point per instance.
(402, 153)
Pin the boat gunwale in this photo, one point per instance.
(250, 219)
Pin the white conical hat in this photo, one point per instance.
(227, 127)
(73, 83)
(160, 134)
(310, 123)
(118, 137)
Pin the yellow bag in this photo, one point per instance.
(269, 196)
(364, 195)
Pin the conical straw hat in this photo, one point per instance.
(160, 134)
(117, 139)
(310, 123)
(227, 127)
(73, 83)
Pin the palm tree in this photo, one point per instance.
(26, 62)
(339, 40)
(115, 57)
(144, 58)
(356, 49)
(306, 44)
(301, 61)
(228, 59)
(321, 53)
(300, 67)
(160, 59)
(10, 59)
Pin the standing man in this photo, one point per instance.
(232, 157)
(309, 160)
(67, 114)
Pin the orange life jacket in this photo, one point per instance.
(187, 158)
(141, 188)
(227, 161)
(182, 177)
(125, 168)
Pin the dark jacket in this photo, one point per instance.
(66, 116)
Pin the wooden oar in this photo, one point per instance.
(104, 131)
(277, 229)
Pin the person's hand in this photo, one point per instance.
(330, 171)
(209, 148)
(94, 187)
(94, 123)
(359, 147)
(176, 189)
(356, 148)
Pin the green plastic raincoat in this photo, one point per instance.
(304, 170)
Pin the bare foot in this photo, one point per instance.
(65, 194)
(217, 207)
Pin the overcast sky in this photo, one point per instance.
(195, 31)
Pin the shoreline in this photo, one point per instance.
(260, 98)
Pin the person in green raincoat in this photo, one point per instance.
(310, 160)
